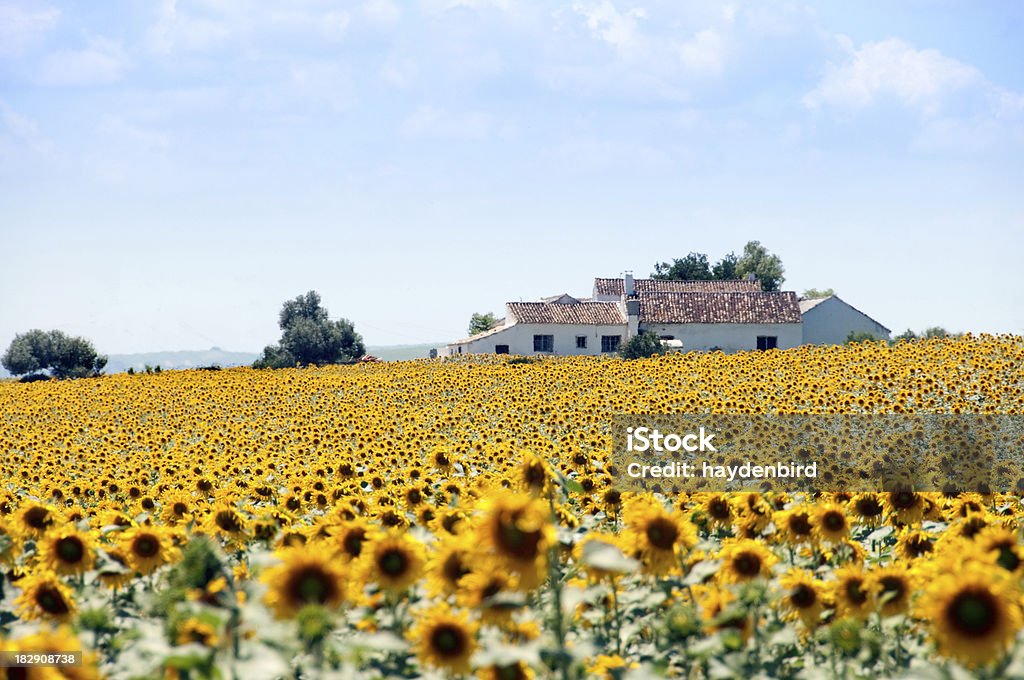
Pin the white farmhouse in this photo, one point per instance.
(692, 315)
(829, 321)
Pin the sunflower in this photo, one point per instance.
(305, 576)
(35, 519)
(516, 670)
(393, 560)
(114, 570)
(721, 611)
(853, 593)
(803, 597)
(61, 640)
(905, 507)
(10, 546)
(67, 551)
(535, 474)
(349, 537)
(796, 525)
(45, 597)
(718, 509)
(515, 530)
(659, 536)
(743, 560)
(480, 590)
(914, 543)
(449, 562)
(195, 630)
(177, 506)
(830, 522)
(224, 520)
(894, 585)
(868, 508)
(148, 548)
(444, 639)
(974, 614)
(1003, 543)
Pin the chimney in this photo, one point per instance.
(628, 287)
(751, 276)
(632, 318)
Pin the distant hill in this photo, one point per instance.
(184, 359)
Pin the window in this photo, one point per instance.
(501, 349)
(543, 343)
(666, 337)
(767, 342)
(610, 343)
(581, 342)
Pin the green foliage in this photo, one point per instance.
(860, 336)
(757, 260)
(63, 355)
(642, 345)
(935, 332)
(906, 336)
(478, 323)
(815, 294)
(310, 337)
(693, 267)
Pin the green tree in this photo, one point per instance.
(478, 323)
(906, 336)
(725, 269)
(63, 355)
(757, 260)
(310, 337)
(641, 345)
(935, 332)
(814, 293)
(693, 267)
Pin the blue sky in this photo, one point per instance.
(173, 171)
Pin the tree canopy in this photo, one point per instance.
(310, 337)
(478, 323)
(756, 260)
(64, 356)
(642, 345)
(815, 294)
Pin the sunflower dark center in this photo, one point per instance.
(228, 521)
(718, 508)
(51, 601)
(70, 549)
(855, 592)
(534, 475)
(894, 586)
(973, 612)
(38, 518)
(800, 524)
(146, 546)
(1008, 558)
(353, 543)
(834, 521)
(448, 640)
(803, 596)
(311, 585)
(394, 563)
(453, 568)
(868, 507)
(747, 564)
(514, 541)
(903, 500)
(662, 533)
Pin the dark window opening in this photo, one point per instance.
(501, 349)
(543, 343)
(610, 343)
(765, 342)
(581, 342)
(666, 337)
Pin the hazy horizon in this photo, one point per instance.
(172, 172)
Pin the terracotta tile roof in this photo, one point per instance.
(615, 286)
(719, 308)
(590, 313)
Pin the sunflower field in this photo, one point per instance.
(447, 518)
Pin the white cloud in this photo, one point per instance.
(102, 61)
(704, 53)
(919, 79)
(399, 72)
(618, 29)
(22, 26)
(19, 128)
(381, 11)
(428, 121)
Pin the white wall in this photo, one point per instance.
(728, 337)
(831, 321)
(519, 338)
